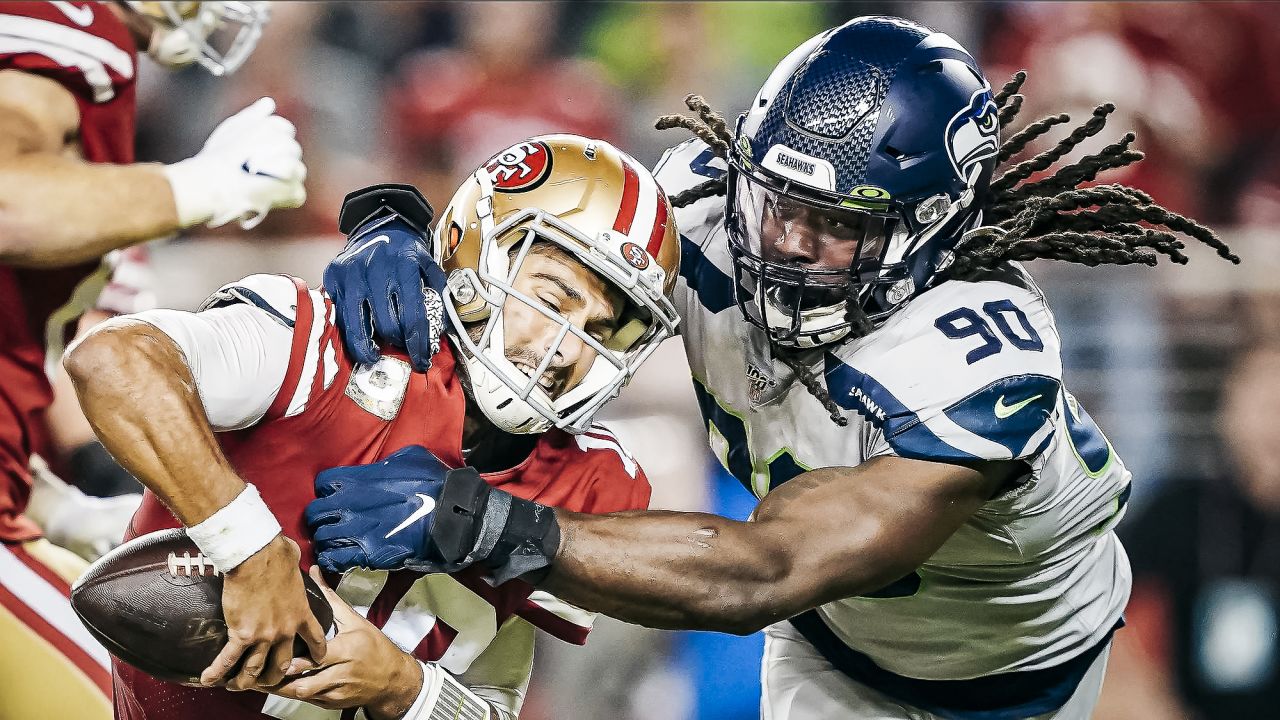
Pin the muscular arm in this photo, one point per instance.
(827, 534)
(56, 209)
(141, 398)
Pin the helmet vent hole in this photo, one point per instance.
(894, 152)
(503, 405)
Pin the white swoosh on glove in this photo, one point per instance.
(428, 504)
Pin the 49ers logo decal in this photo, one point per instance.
(635, 255)
(521, 167)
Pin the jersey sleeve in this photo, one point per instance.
(237, 347)
(80, 45)
(703, 281)
(967, 371)
(314, 357)
(686, 166)
(616, 482)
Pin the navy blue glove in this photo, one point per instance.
(411, 511)
(385, 284)
(377, 516)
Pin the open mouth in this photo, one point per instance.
(789, 297)
(548, 382)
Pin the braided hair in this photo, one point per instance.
(1051, 218)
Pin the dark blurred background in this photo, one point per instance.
(1179, 365)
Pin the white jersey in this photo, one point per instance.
(966, 371)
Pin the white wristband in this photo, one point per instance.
(193, 196)
(444, 698)
(241, 528)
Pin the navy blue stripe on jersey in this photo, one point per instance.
(237, 293)
(1005, 696)
(855, 390)
(1009, 411)
(1087, 439)
(713, 287)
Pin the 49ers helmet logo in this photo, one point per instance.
(520, 167)
(635, 255)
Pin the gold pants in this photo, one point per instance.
(50, 668)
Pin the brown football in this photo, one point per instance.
(155, 602)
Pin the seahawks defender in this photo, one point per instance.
(934, 536)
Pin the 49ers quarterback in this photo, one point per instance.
(561, 259)
(70, 192)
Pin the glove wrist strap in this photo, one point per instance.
(478, 524)
(526, 541)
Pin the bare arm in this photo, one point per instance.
(827, 534)
(140, 397)
(56, 209)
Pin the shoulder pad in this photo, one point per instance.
(276, 295)
(598, 437)
(967, 371)
(685, 166)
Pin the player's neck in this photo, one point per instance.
(488, 449)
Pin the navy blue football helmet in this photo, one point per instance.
(864, 158)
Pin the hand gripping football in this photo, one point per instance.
(155, 602)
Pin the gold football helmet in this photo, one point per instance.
(217, 35)
(603, 208)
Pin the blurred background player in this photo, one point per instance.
(563, 256)
(71, 192)
(1206, 562)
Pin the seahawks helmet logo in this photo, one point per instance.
(973, 135)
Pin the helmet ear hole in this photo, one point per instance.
(627, 335)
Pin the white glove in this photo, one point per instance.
(250, 164)
(87, 526)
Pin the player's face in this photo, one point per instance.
(566, 288)
(793, 232)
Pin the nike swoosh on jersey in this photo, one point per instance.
(82, 16)
(428, 504)
(1003, 411)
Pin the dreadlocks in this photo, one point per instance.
(1050, 218)
(1054, 218)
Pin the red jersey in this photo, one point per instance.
(329, 413)
(89, 51)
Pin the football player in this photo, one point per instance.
(562, 255)
(934, 532)
(70, 192)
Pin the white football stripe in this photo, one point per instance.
(587, 442)
(562, 609)
(311, 360)
(67, 46)
(49, 603)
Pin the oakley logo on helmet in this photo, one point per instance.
(973, 135)
(812, 171)
(521, 167)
